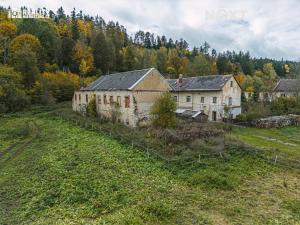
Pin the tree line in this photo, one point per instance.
(50, 58)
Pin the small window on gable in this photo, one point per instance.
(188, 98)
(104, 99)
(127, 102)
(230, 101)
(231, 83)
(87, 98)
(214, 99)
(202, 99)
(111, 99)
(119, 100)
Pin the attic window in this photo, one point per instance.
(231, 83)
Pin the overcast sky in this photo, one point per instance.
(267, 28)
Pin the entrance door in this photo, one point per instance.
(214, 116)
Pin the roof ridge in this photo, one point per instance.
(215, 75)
(112, 74)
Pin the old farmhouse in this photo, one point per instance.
(129, 95)
(207, 95)
(287, 88)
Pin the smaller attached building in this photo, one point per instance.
(208, 95)
(129, 95)
(287, 88)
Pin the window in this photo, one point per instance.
(86, 98)
(175, 98)
(230, 101)
(188, 98)
(202, 99)
(214, 99)
(249, 95)
(231, 83)
(75, 97)
(111, 99)
(79, 97)
(119, 100)
(104, 99)
(127, 102)
(99, 99)
(282, 95)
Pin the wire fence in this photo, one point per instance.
(269, 157)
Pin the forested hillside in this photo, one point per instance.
(42, 60)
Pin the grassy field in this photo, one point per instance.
(52, 172)
(285, 140)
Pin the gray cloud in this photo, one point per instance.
(269, 28)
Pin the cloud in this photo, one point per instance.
(265, 28)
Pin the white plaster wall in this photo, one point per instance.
(208, 106)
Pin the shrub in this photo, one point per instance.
(242, 117)
(115, 112)
(12, 95)
(163, 111)
(283, 105)
(91, 108)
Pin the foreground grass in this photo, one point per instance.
(285, 140)
(61, 174)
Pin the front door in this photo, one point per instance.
(214, 116)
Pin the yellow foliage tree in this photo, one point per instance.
(8, 31)
(240, 78)
(82, 53)
(26, 40)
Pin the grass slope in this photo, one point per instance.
(285, 140)
(68, 175)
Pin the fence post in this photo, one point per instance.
(275, 159)
(199, 158)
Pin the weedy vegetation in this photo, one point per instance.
(55, 172)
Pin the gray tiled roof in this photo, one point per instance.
(288, 85)
(201, 83)
(117, 81)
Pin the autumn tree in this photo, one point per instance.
(25, 51)
(12, 95)
(82, 52)
(47, 34)
(8, 31)
(163, 111)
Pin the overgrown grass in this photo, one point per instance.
(69, 175)
(285, 140)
